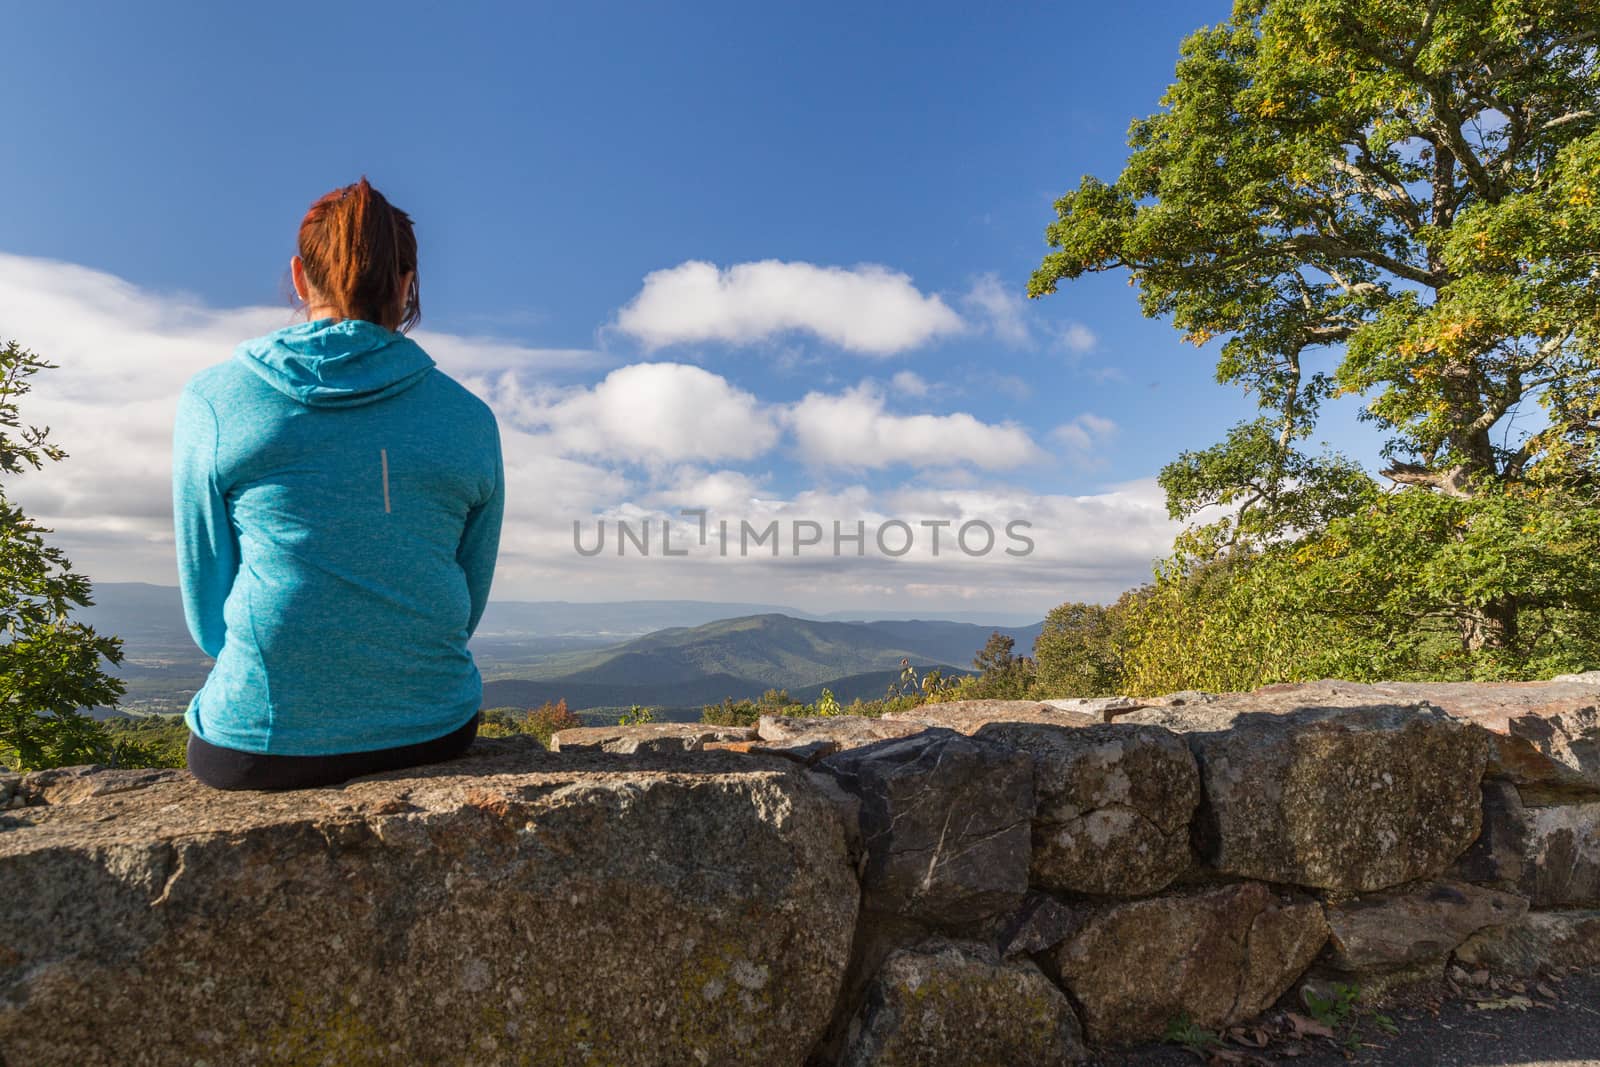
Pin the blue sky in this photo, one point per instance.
(820, 218)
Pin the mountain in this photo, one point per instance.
(744, 657)
(616, 619)
(663, 653)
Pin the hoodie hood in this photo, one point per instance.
(330, 363)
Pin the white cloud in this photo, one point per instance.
(1083, 437)
(1076, 337)
(125, 353)
(461, 356)
(853, 431)
(910, 383)
(1090, 547)
(647, 412)
(868, 309)
(1002, 311)
(716, 490)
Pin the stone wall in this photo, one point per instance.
(968, 883)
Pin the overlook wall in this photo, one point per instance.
(967, 883)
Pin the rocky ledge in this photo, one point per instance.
(996, 881)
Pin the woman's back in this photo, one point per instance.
(358, 490)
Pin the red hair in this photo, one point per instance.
(356, 247)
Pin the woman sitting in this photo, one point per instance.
(337, 501)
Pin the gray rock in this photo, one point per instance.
(806, 752)
(1219, 956)
(665, 737)
(842, 731)
(511, 906)
(1042, 922)
(946, 823)
(1538, 941)
(1104, 709)
(1495, 858)
(1109, 709)
(955, 1005)
(969, 716)
(1561, 862)
(1397, 930)
(70, 785)
(1544, 736)
(1113, 804)
(1352, 799)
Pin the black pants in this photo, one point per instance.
(227, 768)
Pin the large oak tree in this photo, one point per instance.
(1397, 200)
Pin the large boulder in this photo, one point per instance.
(969, 716)
(954, 1004)
(1112, 805)
(1218, 956)
(946, 822)
(1420, 925)
(1544, 736)
(666, 737)
(510, 906)
(1351, 799)
(1539, 941)
(1561, 859)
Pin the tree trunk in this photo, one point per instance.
(1492, 627)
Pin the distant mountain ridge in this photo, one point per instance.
(743, 657)
(662, 653)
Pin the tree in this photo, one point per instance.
(1380, 198)
(50, 666)
(637, 715)
(1004, 675)
(1079, 652)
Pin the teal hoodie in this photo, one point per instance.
(337, 502)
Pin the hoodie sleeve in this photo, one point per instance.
(208, 551)
(480, 540)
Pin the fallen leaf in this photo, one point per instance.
(1253, 1037)
(1546, 992)
(1304, 1027)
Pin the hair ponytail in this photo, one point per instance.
(356, 247)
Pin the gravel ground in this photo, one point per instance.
(1436, 1028)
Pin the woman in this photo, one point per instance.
(337, 501)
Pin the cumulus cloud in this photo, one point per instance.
(124, 353)
(1089, 547)
(1001, 309)
(725, 491)
(910, 383)
(868, 309)
(853, 430)
(1083, 436)
(1076, 337)
(647, 412)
